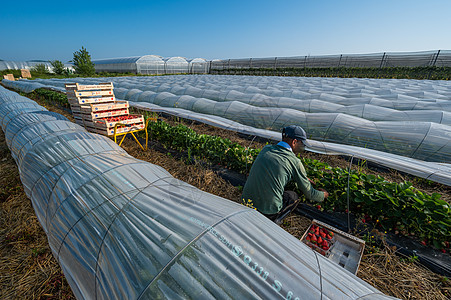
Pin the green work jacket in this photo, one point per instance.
(273, 168)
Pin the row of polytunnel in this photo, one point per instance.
(17, 65)
(122, 228)
(403, 124)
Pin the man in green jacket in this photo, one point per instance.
(274, 167)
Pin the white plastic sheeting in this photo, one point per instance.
(122, 228)
(429, 136)
(16, 65)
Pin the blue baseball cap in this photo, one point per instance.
(297, 133)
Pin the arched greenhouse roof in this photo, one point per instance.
(150, 58)
(197, 60)
(118, 60)
(175, 59)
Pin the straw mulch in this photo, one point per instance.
(401, 276)
(389, 272)
(29, 271)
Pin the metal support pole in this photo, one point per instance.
(349, 177)
(433, 64)
(247, 150)
(436, 57)
(382, 61)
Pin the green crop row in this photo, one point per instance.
(52, 96)
(392, 206)
(433, 73)
(215, 149)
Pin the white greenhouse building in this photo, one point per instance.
(152, 64)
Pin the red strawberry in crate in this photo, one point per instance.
(314, 239)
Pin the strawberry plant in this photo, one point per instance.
(391, 206)
(215, 149)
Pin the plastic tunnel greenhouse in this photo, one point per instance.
(176, 65)
(152, 64)
(198, 66)
(122, 228)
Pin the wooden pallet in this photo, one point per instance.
(101, 114)
(99, 107)
(80, 87)
(109, 123)
(120, 130)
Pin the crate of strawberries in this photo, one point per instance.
(319, 239)
(110, 122)
(339, 247)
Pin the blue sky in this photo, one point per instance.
(50, 30)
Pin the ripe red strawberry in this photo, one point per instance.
(423, 242)
(314, 239)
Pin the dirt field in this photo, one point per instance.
(29, 270)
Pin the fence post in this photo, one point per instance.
(275, 63)
(339, 61)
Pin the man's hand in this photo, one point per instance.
(326, 194)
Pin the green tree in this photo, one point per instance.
(40, 69)
(58, 67)
(82, 62)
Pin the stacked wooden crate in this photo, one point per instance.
(96, 108)
(9, 77)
